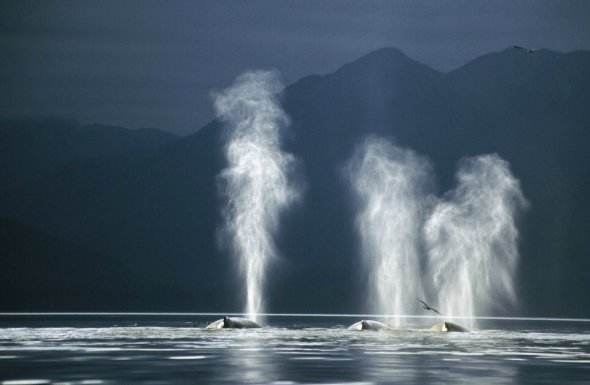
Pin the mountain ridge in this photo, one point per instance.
(158, 213)
(32, 147)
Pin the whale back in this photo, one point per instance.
(447, 326)
(368, 325)
(232, 323)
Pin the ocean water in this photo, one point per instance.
(176, 349)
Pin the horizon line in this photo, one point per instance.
(317, 315)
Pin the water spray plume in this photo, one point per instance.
(467, 240)
(391, 185)
(471, 237)
(257, 184)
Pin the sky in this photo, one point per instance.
(155, 63)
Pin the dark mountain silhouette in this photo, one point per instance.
(30, 148)
(48, 274)
(155, 212)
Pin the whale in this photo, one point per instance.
(232, 323)
(368, 325)
(445, 326)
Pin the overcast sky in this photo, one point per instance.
(154, 63)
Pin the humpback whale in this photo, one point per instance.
(368, 325)
(447, 326)
(232, 323)
(444, 326)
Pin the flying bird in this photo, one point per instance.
(425, 306)
(527, 50)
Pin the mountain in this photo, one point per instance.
(43, 273)
(32, 147)
(156, 211)
(527, 108)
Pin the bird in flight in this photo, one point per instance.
(425, 306)
(527, 50)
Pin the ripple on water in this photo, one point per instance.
(286, 356)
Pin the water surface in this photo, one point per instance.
(175, 349)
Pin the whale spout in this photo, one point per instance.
(447, 326)
(368, 325)
(233, 323)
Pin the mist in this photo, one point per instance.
(256, 184)
(472, 240)
(391, 185)
(458, 252)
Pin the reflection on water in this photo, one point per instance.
(94, 351)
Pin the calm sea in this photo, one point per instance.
(175, 349)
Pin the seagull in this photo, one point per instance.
(527, 50)
(425, 306)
